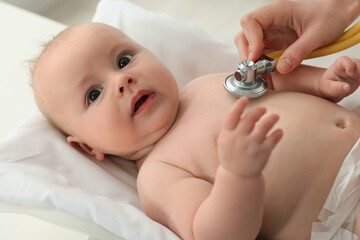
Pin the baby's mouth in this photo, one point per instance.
(140, 102)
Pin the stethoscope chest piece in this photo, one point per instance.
(253, 89)
(247, 80)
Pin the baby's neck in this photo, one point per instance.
(138, 155)
(142, 155)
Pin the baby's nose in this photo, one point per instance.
(129, 81)
(124, 86)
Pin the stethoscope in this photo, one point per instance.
(247, 80)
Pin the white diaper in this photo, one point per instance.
(338, 216)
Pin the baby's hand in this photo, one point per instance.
(243, 147)
(341, 79)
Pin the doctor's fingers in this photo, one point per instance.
(259, 21)
(242, 45)
(249, 47)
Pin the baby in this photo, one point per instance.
(211, 166)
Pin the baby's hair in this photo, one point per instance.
(45, 47)
(33, 65)
(33, 62)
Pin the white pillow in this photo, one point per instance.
(38, 167)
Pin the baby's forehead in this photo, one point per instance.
(81, 33)
(81, 40)
(93, 30)
(84, 31)
(76, 42)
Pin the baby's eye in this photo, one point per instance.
(124, 60)
(93, 95)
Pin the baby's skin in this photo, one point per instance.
(219, 167)
(182, 177)
(211, 166)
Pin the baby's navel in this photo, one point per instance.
(340, 123)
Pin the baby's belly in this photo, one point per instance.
(301, 170)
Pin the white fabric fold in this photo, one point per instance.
(338, 216)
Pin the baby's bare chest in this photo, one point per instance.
(191, 144)
(306, 121)
(193, 139)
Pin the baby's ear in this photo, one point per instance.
(83, 147)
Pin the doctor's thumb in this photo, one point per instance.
(294, 55)
(285, 65)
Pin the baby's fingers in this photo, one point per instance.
(337, 88)
(273, 139)
(235, 113)
(347, 68)
(348, 64)
(264, 126)
(249, 120)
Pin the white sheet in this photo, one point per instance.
(38, 168)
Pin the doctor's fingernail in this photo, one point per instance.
(346, 88)
(284, 65)
(250, 55)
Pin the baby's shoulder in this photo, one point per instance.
(156, 165)
(205, 82)
(209, 78)
(155, 176)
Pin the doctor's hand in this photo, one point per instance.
(297, 26)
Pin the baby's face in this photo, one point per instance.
(108, 93)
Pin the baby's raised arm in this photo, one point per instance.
(232, 207)
(338, 81)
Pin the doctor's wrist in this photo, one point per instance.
(349, 10)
